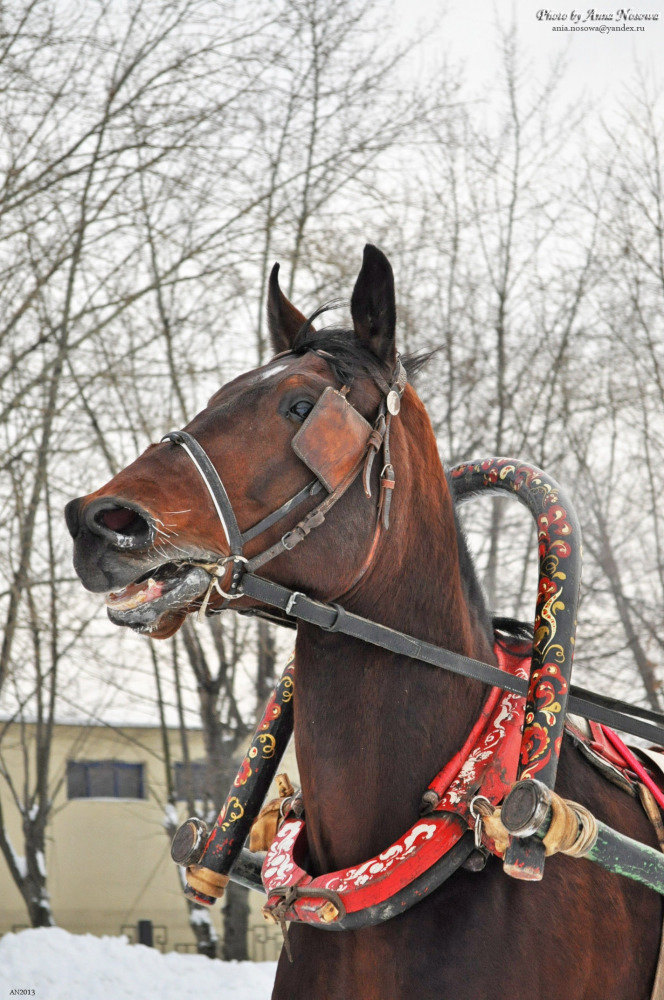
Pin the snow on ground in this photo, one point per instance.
(51, 964)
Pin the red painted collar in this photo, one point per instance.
(486, 765)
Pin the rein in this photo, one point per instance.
(333, 618)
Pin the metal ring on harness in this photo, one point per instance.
(212, 568)
(479, 807)
(237, 591)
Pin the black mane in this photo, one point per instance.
(349, 358)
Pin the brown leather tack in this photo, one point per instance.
(573, 828)
(206, 881)
(284, 786)
(563, 829)
(265, 826)
(652, 812)
(494, 829)
(332, 439)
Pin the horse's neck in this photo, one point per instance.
(372, 729)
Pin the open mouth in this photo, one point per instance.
(168, 588)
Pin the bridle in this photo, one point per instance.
(357, 444)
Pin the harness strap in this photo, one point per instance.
(214, 486)
(220, 498)
(387, 477)
(375, 442)
(310, 490)
(316, 517)
(333, 618)
(313, 519)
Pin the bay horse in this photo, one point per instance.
(371, 727)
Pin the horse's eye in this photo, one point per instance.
(301, 409)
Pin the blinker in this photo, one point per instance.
(333, 439)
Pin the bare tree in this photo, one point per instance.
(615, 431)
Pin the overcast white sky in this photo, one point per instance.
(598, 64)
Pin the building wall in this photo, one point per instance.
(108, 860)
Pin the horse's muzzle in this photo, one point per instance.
(109, 534)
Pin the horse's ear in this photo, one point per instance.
(373, 306)
(283, 319)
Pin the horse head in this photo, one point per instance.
(151, 538)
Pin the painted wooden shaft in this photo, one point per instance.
(528, 811)
(225, 841)
(628, 857)
(559, 547)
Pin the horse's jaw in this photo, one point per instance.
(166, 626)
(158, 605)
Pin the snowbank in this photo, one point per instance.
(52, 964)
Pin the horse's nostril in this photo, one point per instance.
(121, 525)
(121, 519)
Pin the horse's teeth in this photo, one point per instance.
(121, 600)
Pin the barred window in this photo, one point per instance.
(104, 779)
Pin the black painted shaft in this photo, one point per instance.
(221, 849)
(188, 847)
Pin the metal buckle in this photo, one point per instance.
(292, 538)
(291, 601)
(477, 816)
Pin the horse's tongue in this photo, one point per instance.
(135, 594)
